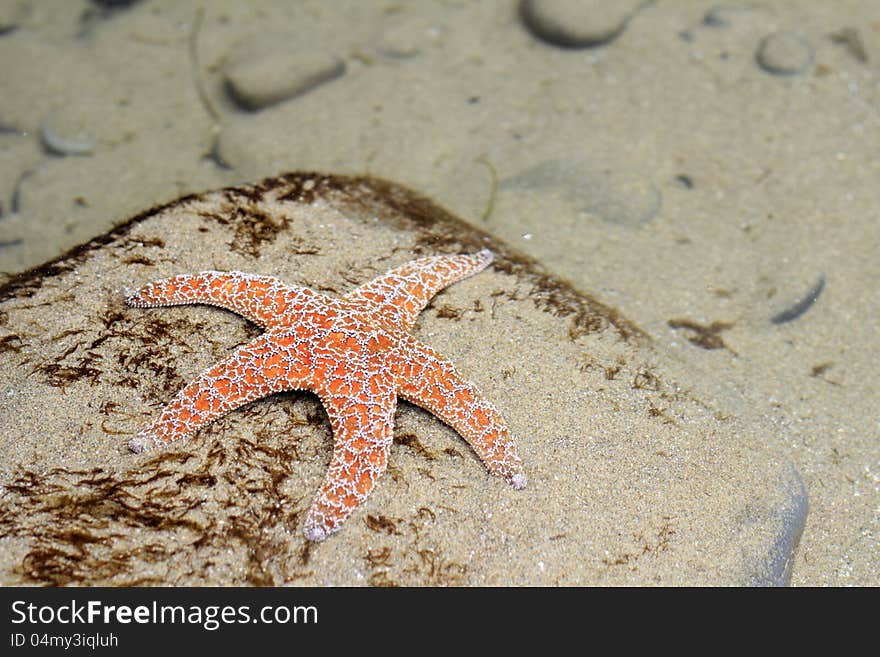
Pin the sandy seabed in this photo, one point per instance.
(709, 170)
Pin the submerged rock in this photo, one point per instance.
(633, 477)
(577, 23)
(784, 53)
(260, 81)
(65, 133)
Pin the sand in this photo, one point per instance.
(683, 172)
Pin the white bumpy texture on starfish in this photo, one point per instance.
(355, 352)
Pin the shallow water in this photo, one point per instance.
(700, 168)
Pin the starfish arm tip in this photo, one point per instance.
(315, 533)
(141, 443)
(136, 299)
(519, 481)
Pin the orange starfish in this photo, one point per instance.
(356, 353)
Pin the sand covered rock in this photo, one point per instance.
(268, 78)
(634, 478)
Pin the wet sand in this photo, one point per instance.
(700, 170)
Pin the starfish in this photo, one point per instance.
(356, 353)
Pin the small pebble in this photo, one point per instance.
(784, 53)
(65, 133)
(850, 39)
(685, 181)
(11, 15)
(577, 23)
(269, 78)
(721, 15)
(115, 4)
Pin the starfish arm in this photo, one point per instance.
(362, 425)
(261, 299)
(402, 293)
(428, 380)
(269, 364)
